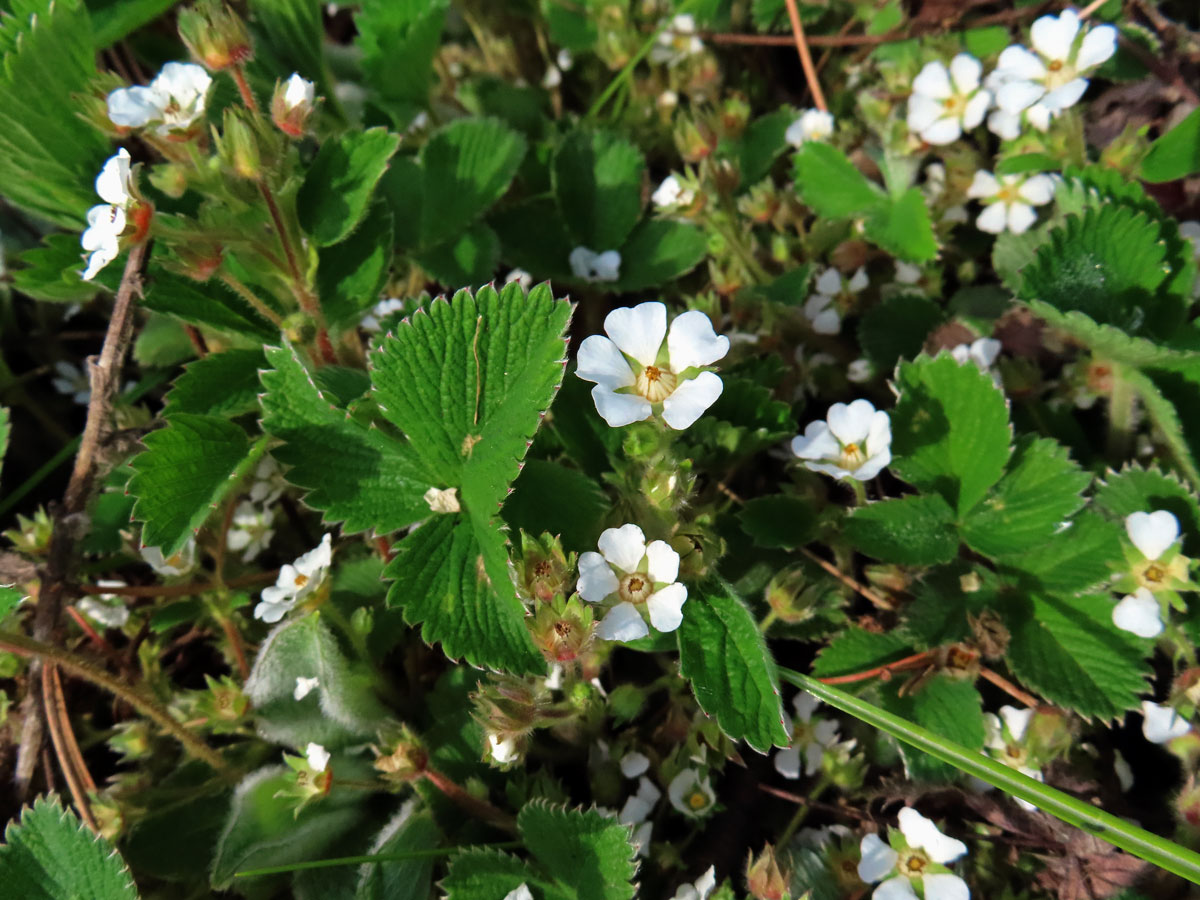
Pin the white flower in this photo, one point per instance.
(1161, 724)
(250, 530)
(921, 856)
(552, 78)
(298, 91)
(859, 370)
(813, 738)
(908, 273)
(296, 581)
(636, 812)
(564, 59)
(633, 376)
(670, 194)
(812, 125)
(1152, 533)
(107, 609)
(174, 99)
(1054, 73)
(638, 574)
(854, 441)
(700, 889)
(269, 483)
(982, 352)
(107, 221)
(1005, 736)
(634, 764)
(73, 382)
(372, 321)
(304, 687)
(177, 564)
(677, 41)
(1009, 200)
(822, 309)
(1139, 613)
(587, 265)
(503, 751)
(945, 103)
(521, 277)
(317, 756)
(520, 892)
(691, 794)
(1008, 125)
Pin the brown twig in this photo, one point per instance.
(469, 802)
(70, 516)
(66, 748)
(243, 86)
(1009, 688)
(239, 648)
(878, 600)
(806, 62)
(884, 672)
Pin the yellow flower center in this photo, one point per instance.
(656, 384)
(697, 800)
(635, 587)
(853, 456)
(300, 580)
(953, 104)
(913, 865)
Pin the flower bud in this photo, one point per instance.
(1187, 805)
(735, 113)
(695, 141)
(292, 104)
(215, 35)
(760, 203)
(792, 598)
(764, 881)
(889, 577)
(311, 777)
(405, 757)
(170, 178)
(238, 145)
(199, 261)
(544, 570)
(562, 629)
(224, 705)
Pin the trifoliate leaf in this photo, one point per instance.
(779, 521)
(351, 274)
(340, 710)
(1135, 489)
(947, 706)
(338, 186)
(897, 328)
(1041, 489)
(722, 653)
(466, 167)
(220, 384)
(1175, 154)
(411, 829)
(398, 40)
(548, 497)
(479, 874)
(856, 650)
(902, 227)
(950, 430)
(48, 854)
(829, 183)
(598, 185)
(659, 251)
(580, 848)
(1075, 559)
(355, 474)
(913, 531)
(184, 472)
(1069, 651)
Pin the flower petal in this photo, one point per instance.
(942, 132)
(1020, 217)
(112, 184)
(624, 547)
(787, 762)
(898, 888)
(851, 422)
(1098, 45)
(133, 107)
(1152, 533)
(1140, 614)
(817, 442)
(1054, 36)
(1014, 96)
(688, 402)
(620, 409)
(983, 185)
(634, 764)
(1162, 723)
(933, 81)
(666, 607)
(994, 219)
(828, 321)
(923, 111)
(607, 266)
(805, 705)
(965, 71)
(1005, 125)
(829, 282)
(1016, 721)
(638, 330)
(877, 859)
(1018, 64)
(600, 361)
(814, 754)
(858, 280)
(922, 834)
(663, 562)
(623, 623)
(976, 109)
(596, 578)
(945, 886)
(692, 341)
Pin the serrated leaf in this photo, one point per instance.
(912, 531)
(340, 710)
(581, 848)
(398, 40)
(947, 706)
(598, 185)
(1041, 489)
(117, 19)
(897, 328)
(658, 251)
(478, 874)
(722, 653)
(209, 305)
(902, 227)
(1069, 651)
(855, 650)
(779, 521)
(1175, 154)
(411, 829)
(354, 474)
(548, 497)
(290, 37)
(50, 855)
(1135, 489)
(220, 384)
(466, 167)
(829, 183)
(184, 472)
(351, 274)
(338, 186)
(1159, 395)
(950, 430)
(1075, 559)
(51, 271)
(1107, 340)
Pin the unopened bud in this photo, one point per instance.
(199, 261)
(215, 34)
(889, 577)
(735, 113)
(760, 203)
(695, 141)
(170, 178)
(292, 104)
(238, 145)
(764, 881)
(563, 629)
(403, 756)
(791, 597)
(544, 570)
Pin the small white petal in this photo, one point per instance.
(299, 91)
(922, 834)
(132, 107)
(304, 687)
(933, 81)
(1140, 614)
(691, 399)
(787, 762)
(858, 281)
(596, 578)
(112, 184)
(976, 109)
(663, 562)
(581, 260)
(829, 282)
(667, 193)
(623, 623)
(923, 111)
(983, 185)
(317, 756)
(1162, 723)
(1053, 36)
(619, 410)
(1020, 217)
(984, 351)
(1014, 96)
(1039, 116)
(825, 733)
(817, 442)
(634, 764)
(520, 892)
(805, 705)
(851, 422)
(877, 861)
(827, 322)
(1018, 64)
(994, 219)
(666, 607)
(814, 755)
(600, 360)
(898, 888)
(942, 132)
(945, 886)
(1098, 45)
(692, 341)
(1005, 125)
(1066, 96)
(607, 266)
(641, 838)
(1016, 721)
(966, 71)
(706, 883)
(638, 331)
(624, 547)
(1152, 533)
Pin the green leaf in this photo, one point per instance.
(572, 27)
(355, 474)
(50, 855)
(410, 829)
(398, 40)
(175, 838)
(50, 271)
(1166, 418)
(469, 258)
(351, 274)
(1107, 340)
(897, 328)
(550, 497)
(944, 599)
(1175, 154)
(580, 848)
(1069, 651)
(340, 710)
(479, 874)
(986, 41)
(1027, 162)
(722, 653)
(658, 251)
(1041, 489)
(1074, 560)
(948, 707)
(338, 186)
(598, 184)
(466, 167)
(10, 599)
(950, 430)
(913, 531)
(779, 521)
(209, 305)
(1135, 489)
(184, 472)
(902, 227)
(534, 237)
(220, 384)
(856, 650)
(117, 19)
(829, 183)
(289, 38)
(763, 142)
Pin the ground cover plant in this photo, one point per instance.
(587, 449)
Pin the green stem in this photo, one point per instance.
(768, 620)
(738, 246)
(802, 812)
(374, 857)
(1120, 416)
(860, 492)
(1141, 843)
